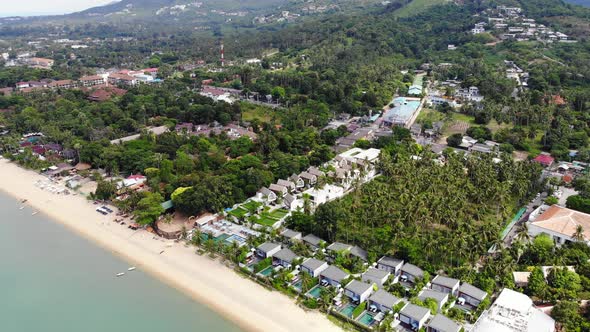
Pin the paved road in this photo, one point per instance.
(529, 208)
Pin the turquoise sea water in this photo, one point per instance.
(52, 280)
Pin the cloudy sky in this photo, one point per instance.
(40, 7)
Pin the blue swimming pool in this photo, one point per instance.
(235, 238)
(366, 318)
(297, 285)
(315, 292)
(266, 272)
(347, 310)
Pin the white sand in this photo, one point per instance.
(243, 301)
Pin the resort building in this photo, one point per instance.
(513, 312)
(403, 113)
(445, 285)
(559, 223)
(291, 236)
(375, 276)
(284, 258)
(358, 291)
(441, 323)
(287, 184)
(440, 298)
(89, 81)
(414, 316)
(279, 190)
(122, 79)
(333, 276)
(290, 202)
(471, 295)
(267, 249)
(335, 248)
(312, 241)
(410, 272)
(313, 267)
(308, 178)
(382, 301)
(299, 183)
(62, 84)
(392, 265)
(266, 195)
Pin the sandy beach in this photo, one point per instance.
(209, 282)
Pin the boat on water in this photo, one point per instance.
(22, 207)
(34, 213)
(120, 274)
(131, 268)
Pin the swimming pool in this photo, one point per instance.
(366, 319)
(235, 238)
(347, 310)
(315, 292)
(266, 272)
(297, 285)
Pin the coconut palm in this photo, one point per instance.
(578, 235)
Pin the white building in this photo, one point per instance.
(513, 312)
(560, 223)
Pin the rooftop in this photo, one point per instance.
(312, 239)
(285, 255)
(472, 291)
(445, 281)
(334, 273)
(313, 264)
(432, 294)
(563, 221)
(376, 273)
(443, 324)
(513, 312)
(384, 298)
(389, 261)
(358, 287)
(268, 246)
(412, 269)
(291, 234)
(414, 311)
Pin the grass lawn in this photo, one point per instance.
(251, 206)
(238, 212)
(416, 7)
(279, 214)
(266, 220)
(251, 112)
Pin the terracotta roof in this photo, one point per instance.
(91, 78)
(61, 82)
(122, 77)
(564, 221)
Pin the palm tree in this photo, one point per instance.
(578, 235)
(523, 233)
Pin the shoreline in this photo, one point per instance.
(209, 282)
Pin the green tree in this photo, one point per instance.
(149, 208)
(105, 190)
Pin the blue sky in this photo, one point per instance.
(41, 7)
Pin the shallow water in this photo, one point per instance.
(53, 280)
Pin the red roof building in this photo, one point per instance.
(544, 159)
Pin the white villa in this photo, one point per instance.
(560, 223)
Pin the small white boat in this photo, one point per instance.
(22, 207)
(131, 268)
(34, 213)
(120, 274)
